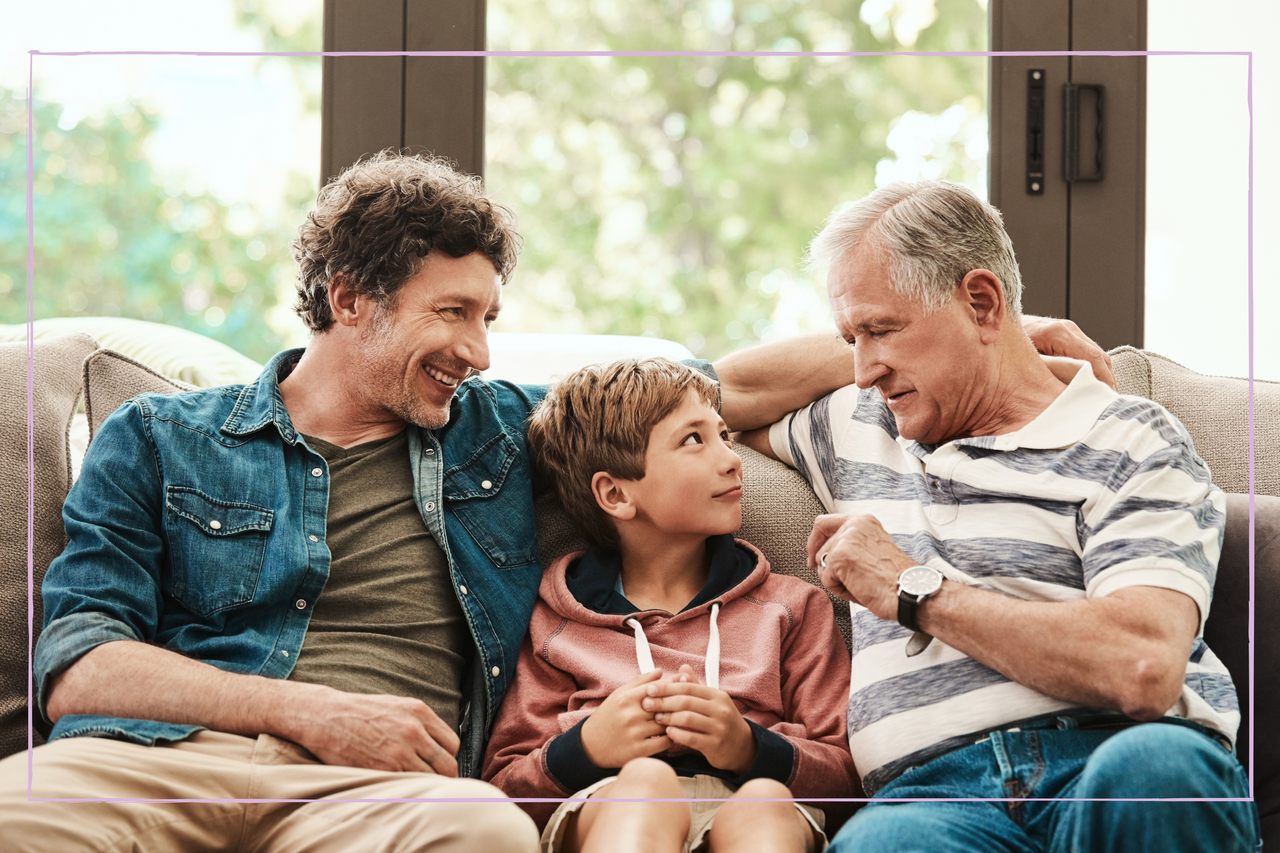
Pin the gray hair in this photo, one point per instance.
(930, 234)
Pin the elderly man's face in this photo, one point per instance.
(922, 365)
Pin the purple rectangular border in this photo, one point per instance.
(579, 53)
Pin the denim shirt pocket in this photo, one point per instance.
(498, 522)
(216, 549)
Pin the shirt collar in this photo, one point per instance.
(1068, 418)
(260, 403)
(1064, 422)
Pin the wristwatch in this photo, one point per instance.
(914, 586)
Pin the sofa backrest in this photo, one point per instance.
(1215, 410)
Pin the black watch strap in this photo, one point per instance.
(908, 604)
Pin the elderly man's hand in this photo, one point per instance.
(862, 562)
(1064, 338)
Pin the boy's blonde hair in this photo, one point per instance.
(599, 419)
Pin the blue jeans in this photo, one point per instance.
(1156, 761)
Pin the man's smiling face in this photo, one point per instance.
(922, 364)
(413, 357)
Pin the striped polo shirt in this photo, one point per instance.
(1098, 493)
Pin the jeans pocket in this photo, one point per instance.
(216, 549)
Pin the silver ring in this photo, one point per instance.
(822, 560)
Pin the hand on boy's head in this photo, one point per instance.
(620, 729)
(702, 718)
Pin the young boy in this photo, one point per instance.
(665, 661)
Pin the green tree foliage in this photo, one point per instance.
(674, 196)
(112, 238)
(667, 196)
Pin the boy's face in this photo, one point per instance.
(692, 479)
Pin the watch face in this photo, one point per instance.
(920, 580)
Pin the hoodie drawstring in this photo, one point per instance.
(713, 650)
(643, 656)
(712, 664)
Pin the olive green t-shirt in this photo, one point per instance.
(388, 620)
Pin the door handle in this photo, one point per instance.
(1071, 132)
(1035, 131)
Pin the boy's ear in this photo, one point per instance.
(611, 495)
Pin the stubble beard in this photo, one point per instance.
(386, 386)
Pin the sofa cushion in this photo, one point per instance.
(1227, 630)
(57, 365)
(778, 509)
(179, 353)
(111, 378)
(1215, 410)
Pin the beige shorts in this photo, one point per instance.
(701, 813)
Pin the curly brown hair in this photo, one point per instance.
(376, 223)
(599, 419)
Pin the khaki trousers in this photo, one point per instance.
(218, 766)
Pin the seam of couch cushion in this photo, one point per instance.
(1143, 359)
(1149, 354)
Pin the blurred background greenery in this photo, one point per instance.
(675, 196)
(658, 196)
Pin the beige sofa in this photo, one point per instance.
(778, 508)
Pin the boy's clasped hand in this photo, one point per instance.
(652, 713)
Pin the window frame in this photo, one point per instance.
(416, 103)
(1081, 246)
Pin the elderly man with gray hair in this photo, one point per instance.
(1030, 559)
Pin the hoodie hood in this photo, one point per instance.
(582, 586)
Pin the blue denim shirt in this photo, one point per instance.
(198, 525)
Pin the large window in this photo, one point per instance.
(674, 196)
(1197, 251)
(667, 196)
(167, 188)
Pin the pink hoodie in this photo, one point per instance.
(780, 657)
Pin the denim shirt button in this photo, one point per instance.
(284, 652)
(487, 484)
(314, 538)
(215, 524)
(430, 451)
(316, 472)
(430, 506)
(462, 589)
(495, 671)
(301, 604)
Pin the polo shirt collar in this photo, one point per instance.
(1067, 419)
(1064, 422)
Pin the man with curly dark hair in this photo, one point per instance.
(260, 599)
